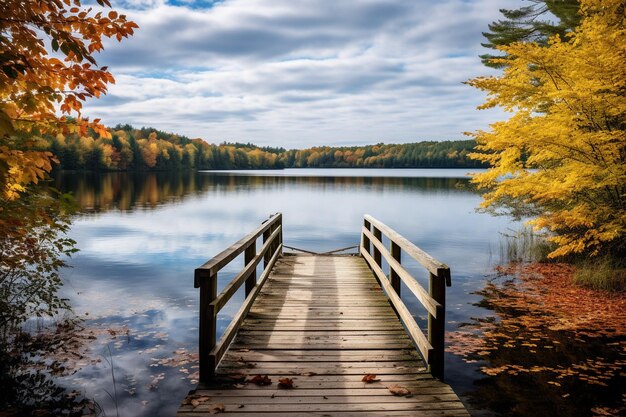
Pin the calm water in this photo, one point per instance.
(141, 236)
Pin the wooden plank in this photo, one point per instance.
(277, 399)
(326, 334)
(413, 251)
(249, 256)
(420, 293)
(218, 351)
(308, 390)
(236, 282)
(422, 413)
(436, 326)
(223, 258)
(327, 407)
(407, 319)
(367, 413)
(207, 327)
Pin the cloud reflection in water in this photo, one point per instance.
(141, 236)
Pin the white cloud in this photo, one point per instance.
(299, 73)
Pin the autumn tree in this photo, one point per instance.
(47, 62)
(562, 153)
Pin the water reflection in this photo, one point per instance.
(141, 236)
(128, 191)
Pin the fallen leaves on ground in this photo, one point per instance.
(545, 325)
(369, 378)
(260, 380)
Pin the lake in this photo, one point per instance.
(141, 236)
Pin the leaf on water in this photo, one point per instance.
(285, 383)
(370, 378)
(260, 380)
(398, 390)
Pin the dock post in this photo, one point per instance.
(207, 327)
(436, 326)
(377, 255)
(365, 241)
(249, 255)
(268, 254)
(393, 276)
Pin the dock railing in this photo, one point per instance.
(431, 347)
(205, 278)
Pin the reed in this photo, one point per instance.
(524, 245)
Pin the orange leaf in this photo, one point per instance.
(398, 390)
(369, 378)
(285, 383)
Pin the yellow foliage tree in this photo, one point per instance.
(34, 82)
(561, 155)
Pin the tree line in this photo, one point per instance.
(130, 149)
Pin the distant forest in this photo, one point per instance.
(131, 149)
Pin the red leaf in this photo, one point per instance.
(260, 380)
(285, 383)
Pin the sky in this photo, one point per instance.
(299, 73)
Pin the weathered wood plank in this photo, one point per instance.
(324, 322)
(223, 258)
(416, 253)
(328, 407)
(367, 413)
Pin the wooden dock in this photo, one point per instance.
(322, 325)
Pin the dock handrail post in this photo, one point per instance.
(378, 258)
(280, 236)
(365, 241)
(249, 255)
(268, 254)
(436, 326)
(393, 275)
(207, 327)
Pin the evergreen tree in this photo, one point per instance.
(532, 23)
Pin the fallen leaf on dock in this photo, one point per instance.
(218, 408)
(285, 383)
(309, 373)
(398, 390)
(241, 377)
(369, 378)
(260, 380)
(194, 400)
